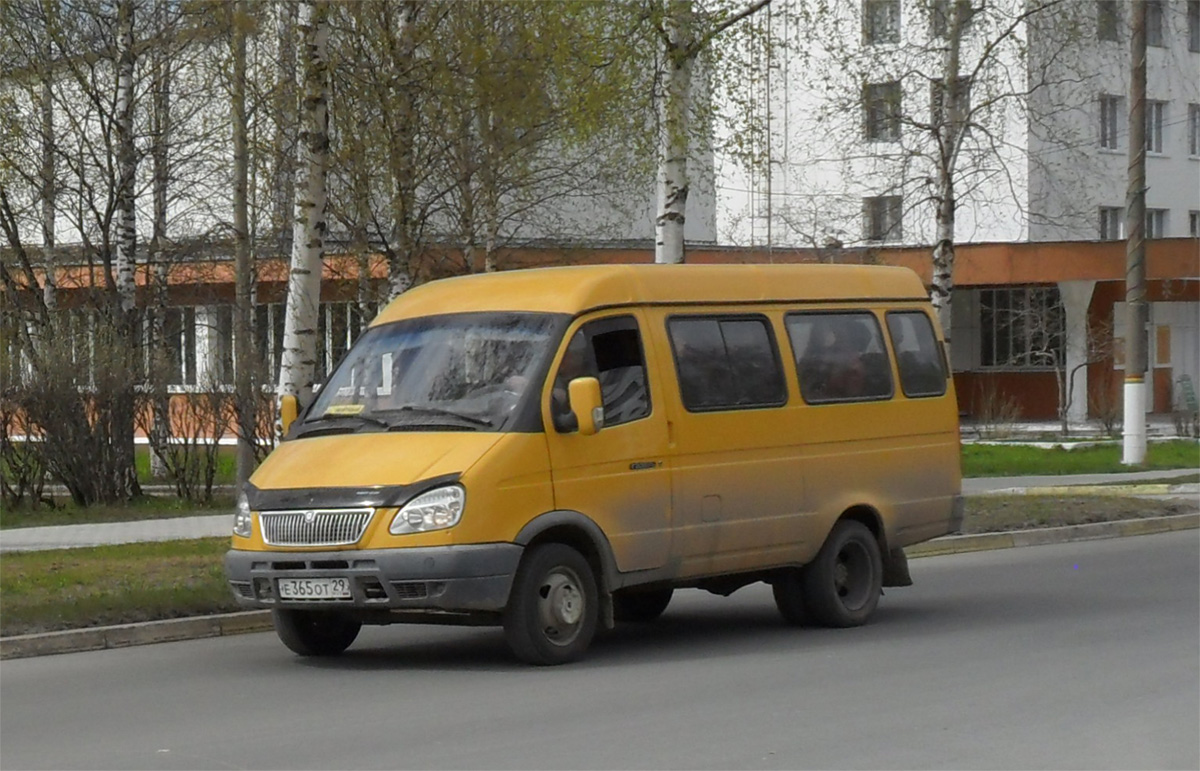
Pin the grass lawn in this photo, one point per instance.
(148, 507)
(226, 466)
(996, 460)
(74, 588)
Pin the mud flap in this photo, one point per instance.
(895, 569)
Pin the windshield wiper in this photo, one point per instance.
(360, 418)
(439, 411)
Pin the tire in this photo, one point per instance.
(641, 606)
(842, 585)
(315, 632)
(553, 609)
(788, 589)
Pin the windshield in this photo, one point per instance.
(464, 372)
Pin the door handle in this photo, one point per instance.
(642, 465)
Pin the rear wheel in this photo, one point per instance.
(788, 589)
(552, 612)
(641, 605)
(842, 585)
(315, 632)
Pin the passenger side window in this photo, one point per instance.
(839, 357)
(611, 351)
(918, 355)
(726, 363)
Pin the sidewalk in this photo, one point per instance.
(219, 525)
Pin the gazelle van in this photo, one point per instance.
(559, 449)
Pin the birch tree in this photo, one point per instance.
(298, 366)
(127, 158)
(247, 420)
(536, 113)
(685, 32)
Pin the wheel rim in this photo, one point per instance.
(852, 576)
(560, 606)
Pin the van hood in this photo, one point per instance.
(371, 469)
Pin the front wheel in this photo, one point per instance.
(552, 612)
(315, 632)
(842, 585)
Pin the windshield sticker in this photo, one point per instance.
(344, 409)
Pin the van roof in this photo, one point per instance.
(577, 289)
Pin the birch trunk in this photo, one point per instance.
(488, 189)
(243, 352)
(675, 110)
(49, 189)
(126, 160)
(284, 109)
(160, 117)
(304, 280)
(401, 257)
(950, 132)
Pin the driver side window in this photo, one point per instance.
(610, 350)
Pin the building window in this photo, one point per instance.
(726, 363)
(179, 331)
(1110, 223)
(1021, 327)
(220, 345)
(960, 95)
(1155, 116)
(1154, 23)
(882, 218)
(1108, 19)
(338, 326)
(881, 21)
(1156, 223)
(1112, 113)
(1194, 129)
(881, 107)
(1193, 16)
(268, 337)
(1194, 224)
(939, 15)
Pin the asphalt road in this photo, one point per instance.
(1083, 655)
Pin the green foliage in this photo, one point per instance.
(991, 460)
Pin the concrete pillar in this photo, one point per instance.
(1076, 297)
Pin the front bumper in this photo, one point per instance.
(452, 579)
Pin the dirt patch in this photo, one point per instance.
(998, 513)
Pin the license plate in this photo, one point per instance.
(314, 589)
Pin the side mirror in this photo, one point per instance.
(289, 408)
(586, 404)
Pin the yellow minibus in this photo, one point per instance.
(558, 450)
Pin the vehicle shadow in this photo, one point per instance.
(697, 629)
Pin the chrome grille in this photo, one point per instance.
(314, 527)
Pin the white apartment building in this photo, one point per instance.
(851, 96)
(851, 105)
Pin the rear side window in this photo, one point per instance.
(727, 362)
(918, 354)
(839, 357)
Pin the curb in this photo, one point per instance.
(127, 635)
(175, 630)
(958, 544)
(1120, 490)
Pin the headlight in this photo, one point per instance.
(242, 518)
(436, 509)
